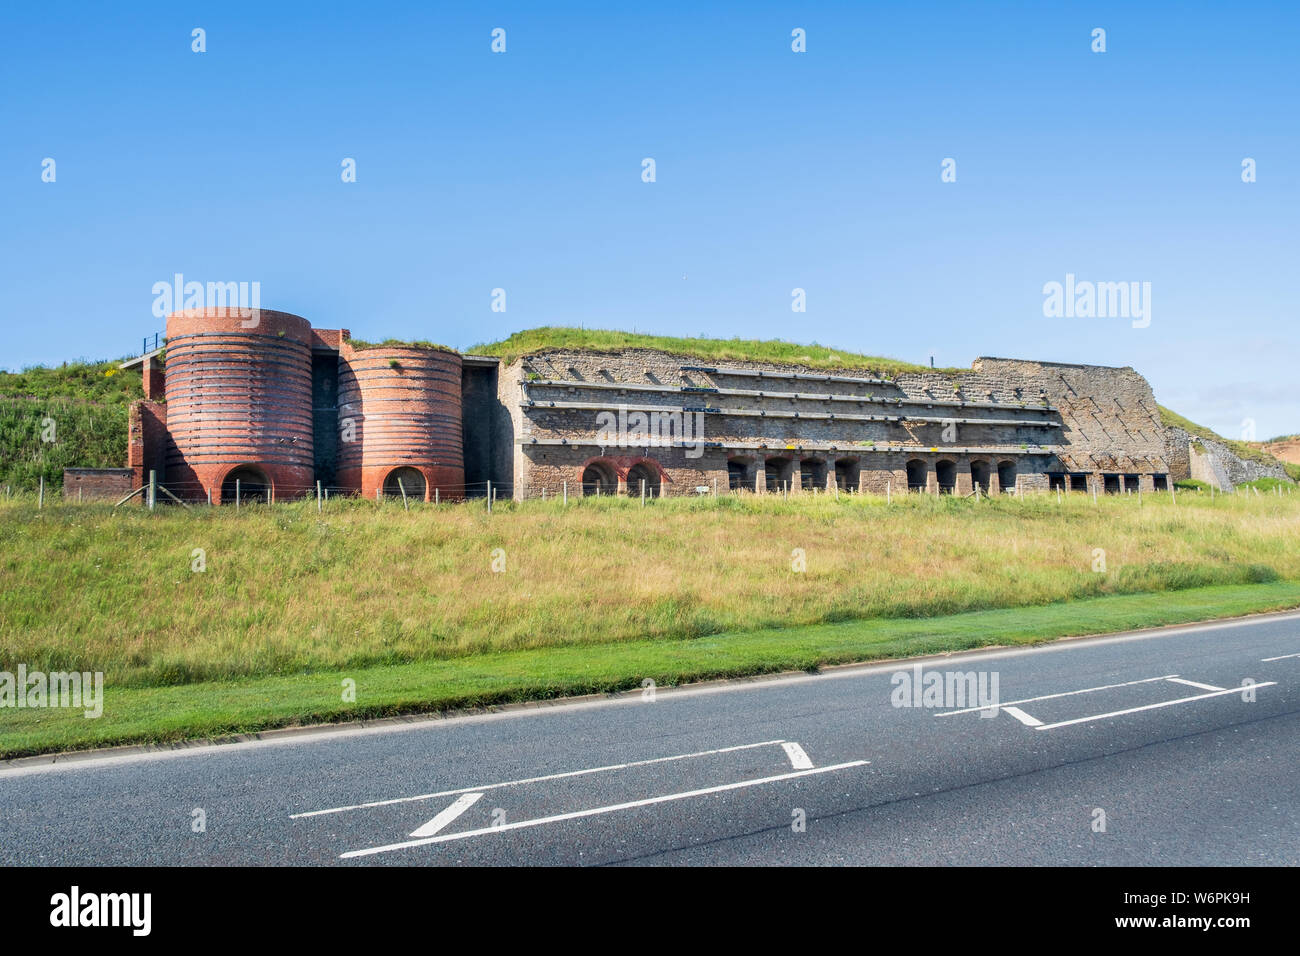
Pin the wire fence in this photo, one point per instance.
(488, 494)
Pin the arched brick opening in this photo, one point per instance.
(778, 472)
(740, 474)
(405, 479)
(812, 474)
(1007, 475)
(945, 472)
(249, 482)
(643, 471)
(599, 478)
(916, 475)
(979, 475)
(848, 473)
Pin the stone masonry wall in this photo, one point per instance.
(1021, 419)
(1204, 459)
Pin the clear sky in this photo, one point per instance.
(775, 170)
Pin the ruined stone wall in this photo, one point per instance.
(1214, 463)
(1004, 423)
(1110, 416)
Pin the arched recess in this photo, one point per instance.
(778, 472)
(979, 475)
(405, 479)
(249, 482)
(1007, 475)
(644, 471)
(599, 478)
(848, 472)
(945, 472)
(916, 475)
(812, 474)
(740, 474)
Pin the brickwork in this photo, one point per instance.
(98, 484)
(239, 401)
(400, 408)
(1005, 424)
(298, 405)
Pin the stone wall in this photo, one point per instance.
(1004, 424)
(1204, 459)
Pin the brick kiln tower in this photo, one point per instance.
(274, 406)
(262, 405)
(239, 404)
(400, 421)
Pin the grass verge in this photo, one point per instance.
(171, 713)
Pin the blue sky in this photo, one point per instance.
(775, 170)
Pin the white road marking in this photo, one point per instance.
(463, 803)
(1024, 718)
(1192, 683)
(1167, 703)
(1068, 693)
(1282, 658)
(299, 736)
(798, 759)
(515, 783)
(596, 811)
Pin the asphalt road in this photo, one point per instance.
(1149, 729)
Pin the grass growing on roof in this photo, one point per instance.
(532, 341)
(362, 345)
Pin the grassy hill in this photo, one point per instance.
(87, 403)
(285, 607)
(531, 341)
(1250, 451)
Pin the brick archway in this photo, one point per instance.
(249, 481)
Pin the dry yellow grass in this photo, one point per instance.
(285, 589)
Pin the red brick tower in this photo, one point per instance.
(239, 404)
(400, 420)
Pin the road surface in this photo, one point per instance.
(1138, 749)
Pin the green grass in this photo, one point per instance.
(362, 345)
(365, 584)
(98, 382)
(548, 338)
(87, 401)
(1192, 484)
(595, 595)
(1269, 485)
(159, 714)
